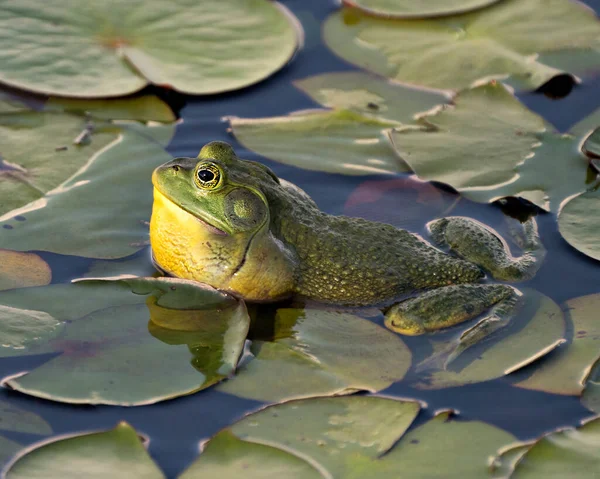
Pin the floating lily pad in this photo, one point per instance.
(417, 9)
(114, 48)
(567, 452)
(504, 464)
(319, 353)
(350, 437)
(20, 270)
(579, 222)
(73, 218)
(117, 453)
(540, 329)
(455, 52)
(486, 157)
(350, 139)
(109, 352)
(566, 369)
(8, 449)
(591, 393)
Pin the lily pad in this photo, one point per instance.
(320, 353)
(109, 351)
(455, 52)
(486, 157)
(117, 453)
(566, 369)
(8, 449)
(591, 393)
(349, 139)
(540, 329)
(351, 437)
(73, 219)
(568, 452)
(114, 48)
(417, 9)
(579, 222)
(20, 270)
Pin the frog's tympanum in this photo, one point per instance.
(236, 226)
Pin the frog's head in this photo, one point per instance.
(207, 213)
(219, 189)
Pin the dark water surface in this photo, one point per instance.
(177, 426)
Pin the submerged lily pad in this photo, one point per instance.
(418, 8)
(20, 270)
(319, 353)
(115, 48)
(350, 437)
(591, 393)
(454, 52)
(109, 352)
(117, 453)
(540, 329)
(567, 452)
(486, 157)
(73, 218)
(352, 137)
(566, 369)
(579, 222)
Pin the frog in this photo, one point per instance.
(236, 226)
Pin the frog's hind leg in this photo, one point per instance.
(443, 307)
(478, 244)
(450, 305)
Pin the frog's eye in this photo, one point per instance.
(208, 176)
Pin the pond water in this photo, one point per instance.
(176, 427)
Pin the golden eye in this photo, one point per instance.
(208, 176)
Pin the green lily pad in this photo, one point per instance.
(109, 351)
(114, 48)
(486, 157)
(73, 218)
(8, 449)
(541, 330)
(591, 146)
(417, 9)
(351, 437)
(508, 457)
(349, 139)
(579, 222)
(455, 52)
(320, 353)
(591, 393)
(566, 369)
(143, 108)
(20, 270)
(117, 453)
(568, 452)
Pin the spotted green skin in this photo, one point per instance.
(272, 241)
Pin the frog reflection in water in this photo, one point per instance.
(236, 226)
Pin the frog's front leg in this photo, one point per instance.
(443, 307)
(478, 244)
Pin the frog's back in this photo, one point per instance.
(353, 261)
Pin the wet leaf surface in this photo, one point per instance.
(113, 49)
(591, 393)
(565, 370)
(352, 437)
(486, 157)
(568, 452)
(117, 453)
(454, 52)
(115, 179)
(110, 353)
(349, 139)
(20, 270)
(417, 9)
(579, 223)
(320, 353)
(537, 329)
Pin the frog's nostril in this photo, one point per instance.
(175, 168)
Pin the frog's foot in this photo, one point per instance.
(443, 307)
(478, 244)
